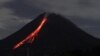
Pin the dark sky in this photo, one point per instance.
(14, 14)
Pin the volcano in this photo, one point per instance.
(57, 35)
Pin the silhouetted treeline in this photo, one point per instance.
(95, 51)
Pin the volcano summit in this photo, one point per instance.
(57, 36)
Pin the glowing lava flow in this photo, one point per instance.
(30, 38)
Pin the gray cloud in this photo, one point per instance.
(2, 2)
(83, 8)
(21, 9)
(9, 23)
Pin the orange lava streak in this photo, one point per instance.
(30, 38)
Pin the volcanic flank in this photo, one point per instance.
(57, 35)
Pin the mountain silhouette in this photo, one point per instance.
(57, 35)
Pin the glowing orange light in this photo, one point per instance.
(31, 37)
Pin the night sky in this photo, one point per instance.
(14, 14)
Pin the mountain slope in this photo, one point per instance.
(57, 35)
